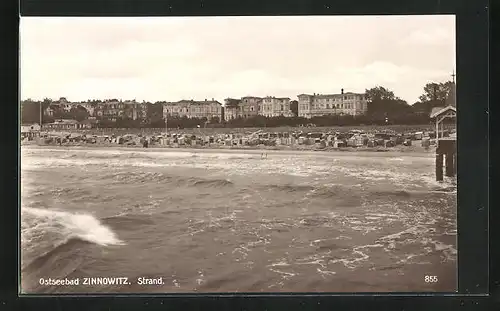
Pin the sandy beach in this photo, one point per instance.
(360, 151)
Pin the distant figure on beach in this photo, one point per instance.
(263, 155)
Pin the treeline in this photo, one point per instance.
(329, 120)
(172, 122)
(261, 121)
(30, 113)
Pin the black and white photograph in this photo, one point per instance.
(238, 154)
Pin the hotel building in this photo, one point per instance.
(332, 104)
(193, 109)
(275, 107)
(246, 107)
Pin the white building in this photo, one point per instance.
(271, 106)
(332, 104)
(209, 109)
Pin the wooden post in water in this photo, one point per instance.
(449, 165)
(439, 166)
(446, 147)
(455, 163)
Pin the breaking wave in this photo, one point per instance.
(328, 191)
(70, 225)
(174, 180)
(60, 231)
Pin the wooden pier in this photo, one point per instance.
(446, 150)
(446, 147)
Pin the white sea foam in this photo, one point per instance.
(323, 273)
(83, 226)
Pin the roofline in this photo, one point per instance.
(188, 101)
(340, 94)
(438, 112)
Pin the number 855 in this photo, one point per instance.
(431, 279)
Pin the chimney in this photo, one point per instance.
(341, 91)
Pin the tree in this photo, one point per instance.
(384, 106)
(46, 103)
(30, 112)
(435, 95)
(294, 107)
(436, 91)
(125, 122)
(379, 93)
(155, 114)
(79, 113)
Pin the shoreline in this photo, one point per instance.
(359, 151)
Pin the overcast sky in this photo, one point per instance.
(166, 58)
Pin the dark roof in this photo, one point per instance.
(256, 97)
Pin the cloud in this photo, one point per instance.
(435, 37)
(174, 58)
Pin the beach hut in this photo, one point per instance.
(340, 144)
